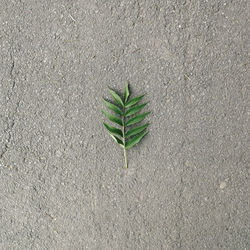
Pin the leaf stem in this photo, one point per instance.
(123, 138)
(125, 157)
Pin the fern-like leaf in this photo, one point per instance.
(126, 108)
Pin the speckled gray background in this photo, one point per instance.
(62, 181)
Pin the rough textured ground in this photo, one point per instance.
(62, 181)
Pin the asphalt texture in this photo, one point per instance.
(62, 179)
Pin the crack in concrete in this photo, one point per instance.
(11, 73)
(12, 67)
(11, 121)
(6, 146)
(8, 131)
(181, 211)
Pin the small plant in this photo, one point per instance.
(124, 109)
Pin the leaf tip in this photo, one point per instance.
(126, 92)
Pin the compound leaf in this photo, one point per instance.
(125, 108)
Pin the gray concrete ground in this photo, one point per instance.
(62, 181)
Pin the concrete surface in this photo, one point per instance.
(62, 181)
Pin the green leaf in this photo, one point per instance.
(130, 143)
(113, 107)
(112, 118)
(125, 109)
(133, 101)
(135, 109)
(116, 97)
(119, 141)
(136, 119)
(126, 93)
(136, 130)
(113, 130)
